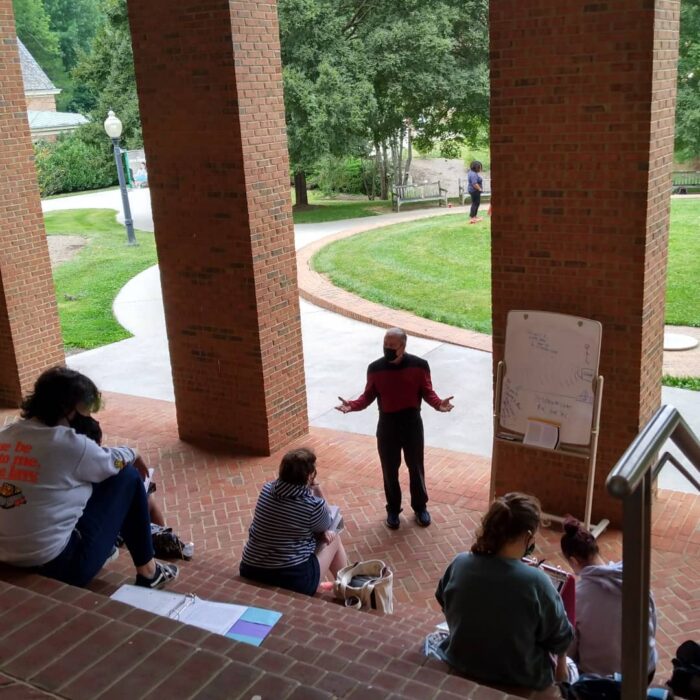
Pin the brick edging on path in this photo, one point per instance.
(317, 289)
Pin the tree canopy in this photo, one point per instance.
(359, 73)
(108, 78)
(360, 77)
(57, 32)
(34, 29)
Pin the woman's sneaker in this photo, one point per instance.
(165, 573)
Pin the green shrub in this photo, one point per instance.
(71, 165)
(349, 175)
(451, 148)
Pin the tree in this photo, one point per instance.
(33, 28)
(376, 73)
(688, 97)
(56, 32)
(430, 73)
(328, 98)
(107, 75)
(75, 23)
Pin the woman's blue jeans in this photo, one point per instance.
(118, 505)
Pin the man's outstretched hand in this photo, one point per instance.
(445, 405)
(344, 406)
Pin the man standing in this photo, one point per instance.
(399, 382)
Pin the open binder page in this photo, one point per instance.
(157, 602)
(211, 616)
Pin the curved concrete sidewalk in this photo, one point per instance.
(337, 350)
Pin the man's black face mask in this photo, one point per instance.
(389, 354)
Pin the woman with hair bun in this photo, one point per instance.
(598, 642)
(505, 618)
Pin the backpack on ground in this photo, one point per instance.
(167, 545)
(685, 681)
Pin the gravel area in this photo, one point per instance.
(64, 248)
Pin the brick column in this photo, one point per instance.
(210, 90)
(582, 121)
(30, 337)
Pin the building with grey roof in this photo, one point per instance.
(45, 122)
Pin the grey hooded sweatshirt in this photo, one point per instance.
(597, 646)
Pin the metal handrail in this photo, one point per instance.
(666, 423)
(630, 480)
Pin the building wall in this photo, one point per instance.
(210, 90)
(582, 117)
(41, 103)
(30, 337)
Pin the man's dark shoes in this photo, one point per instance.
(423, 518)
(392, 521)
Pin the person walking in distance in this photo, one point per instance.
(400, 382)
(475, 187)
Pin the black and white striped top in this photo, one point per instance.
(287, 516)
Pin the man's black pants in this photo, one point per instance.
(395, 432)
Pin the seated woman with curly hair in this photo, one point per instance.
(290, 544)
(506, 621)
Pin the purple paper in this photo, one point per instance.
(250, 629)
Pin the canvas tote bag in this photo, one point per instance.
(366, 584)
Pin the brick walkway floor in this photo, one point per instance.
(209, 498)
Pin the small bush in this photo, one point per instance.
(450, 148)
(691, 383)
(71, 165)
(345, 176)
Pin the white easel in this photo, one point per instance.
(583, 451)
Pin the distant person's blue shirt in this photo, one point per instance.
(474, 179)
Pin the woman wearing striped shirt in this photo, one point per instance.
(289, 543)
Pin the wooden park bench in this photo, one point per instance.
(684, 182)
(463, 191)
(409, 194)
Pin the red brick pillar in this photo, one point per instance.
(210, 90)
(582, 121)
(30, 337)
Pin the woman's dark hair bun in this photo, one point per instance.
(577, 541)
(571, 525)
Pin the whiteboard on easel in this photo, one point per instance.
(551, 365)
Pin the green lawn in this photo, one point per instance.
(324, 209)
(683, 285)
(439, 268)
(87, 285)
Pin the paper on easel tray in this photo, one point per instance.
(541, 433)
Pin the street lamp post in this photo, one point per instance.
(113, 127)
